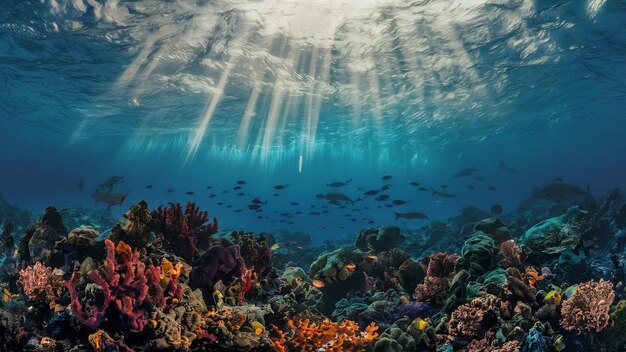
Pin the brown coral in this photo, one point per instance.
(331, 336)
(467, 320)
(438, 275)
(588, 308)
(41, 283)
(511, 254)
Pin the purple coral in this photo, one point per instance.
(218, 263)
(182, 229)
(438, 275)
(588, 308)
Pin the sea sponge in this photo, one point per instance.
(41, 283)
(588, 308)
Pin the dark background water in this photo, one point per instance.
(417, 90)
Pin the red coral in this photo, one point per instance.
(247, 279)
(588, 308)
(41, 283)
(438, 275)
(125, 281)
(182, 229)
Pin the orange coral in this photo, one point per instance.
(333, 337)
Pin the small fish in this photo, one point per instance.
(415, 184)
(491, 188)
(281, 186)
(238, 210)
(274, 247)
(170, 190)
(212, 195)
(80, 185)
(229, 206)
(382, 198)
(315, 213)
(388, 205)
(209, 187)
(257, 201)
(470, 187)
(423, 189)
(224, 191)
(496, 209)
(410, 216)
(220, 203)
(371, 193)
(240, 194)
(467, 172)
(149, 186)
(371, 257)
(300, 248)
(350, 266)
(339, 184)
(444, 186)
(241, 182)
(335, 197)
(318, 283)
(386, 177)
(509, 170)
(421, 324)
(443, 194)
(189, 193)
(254, 206)
(399, 202)
(236, 188)
(385, 187)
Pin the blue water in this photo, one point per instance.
(186, 94)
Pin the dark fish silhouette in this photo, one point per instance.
(109, 198)
(295, 203)
(257, 201)
(444, 186)
(416, 184)
(385, 187)
(209, 187)
(240, 194)
(170, 190)
(491, 188)
(112, 181)
(80, 185)
(241, 182)
(315, 213)
(339, 184)
(443, 194)
(189, 193)
(224, 192)
(382, 198)
(238, 211)
(371, 193)
(281, 186)
(220, 203)
(335, 196)
(212, 195)
(423, 189)
(496, 209)
(387, 177)
(466, 172)
(236, 188)
(410, 216)
(399, 202)
(470, 187)
(558, 189)
(149, 186)
(276, 194)
(509, 170)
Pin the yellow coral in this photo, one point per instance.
(123, 249)
(553, 296)
(258, 327)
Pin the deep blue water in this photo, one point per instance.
(186, 94)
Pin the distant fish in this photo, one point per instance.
(470, 187)
(189, 193)
(315, 213)
(209, 187)
(241, 182)
(443, 194)
(371, 222)
(80, 185)
(112, 181)
(466, 172)
(335, 196)
(339, 184)
(491, 188)
(509, 170)
(385, 187)
(371, 193)
(410, 216)
(224, 191)
(387, 177)
(229, 206)
(220, 203)
(399, 202)
(254, 206)
(212, 195)
(170, 190)
(148, 186)
(257, 201)
(109, 198)
(423, 189)
(276, 194)
(388, 205)
(416, 184)
(479, 178)
(382, 198)
(444, 186)
(236, 188)
(496, 209)
(281, 186)
(238, 210)
(240, 194)
(295, 203)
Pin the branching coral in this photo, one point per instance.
(588, 309)
(102, 342)
(438, 275)
(468, 320)
(327, 335)
(511, 254)
(41, 283)
(182, 229)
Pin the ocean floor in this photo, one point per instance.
(548, 276)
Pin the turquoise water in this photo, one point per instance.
(188, 94)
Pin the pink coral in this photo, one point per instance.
(511, 254)
(467, 320)
(41, 283)
(438, 275)
(588, 308)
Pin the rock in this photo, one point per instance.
(494, 228)
(381, 239)
(552, 236)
